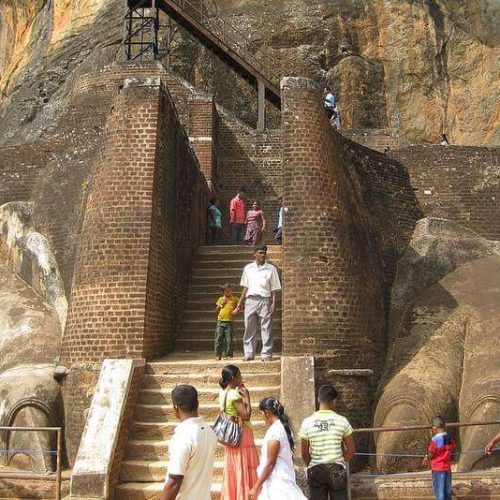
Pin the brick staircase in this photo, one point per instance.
(213, 266)
(143, 470)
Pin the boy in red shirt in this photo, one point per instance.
(439, 453)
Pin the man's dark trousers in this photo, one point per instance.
(237, 233)
(327, 482)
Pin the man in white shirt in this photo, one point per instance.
(260, 282)
(191, 451)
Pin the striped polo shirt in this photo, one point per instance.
(325, 431)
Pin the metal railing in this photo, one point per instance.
(403, 428)
(260, 58)
(141, 35)
(33, 475)
(141, 22)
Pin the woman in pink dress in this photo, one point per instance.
(240, 468)
(256, 224)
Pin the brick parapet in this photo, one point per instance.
(460, 183)
(351, 212)
(332, 275)
(127, 285)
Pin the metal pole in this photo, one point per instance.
(58, 466)
(261, 106)
(397, 428)
(348, 471)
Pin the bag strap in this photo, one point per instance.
(225, 399)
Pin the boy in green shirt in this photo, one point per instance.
(226, 304)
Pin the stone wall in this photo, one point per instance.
(457, 183)
(252, 160)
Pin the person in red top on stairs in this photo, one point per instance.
(237, 216)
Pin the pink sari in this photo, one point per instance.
(240, 469)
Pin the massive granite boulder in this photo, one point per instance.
(419, 68)
(445, 311)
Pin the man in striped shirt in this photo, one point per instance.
(327, 445)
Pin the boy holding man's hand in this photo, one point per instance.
(225, 306)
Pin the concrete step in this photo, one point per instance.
(205, 395)
(163, 430)
(150, 491)
(165, 412)
(211, 366)
(158, 450)
(144, 471)
(206, 379)
(202, 343)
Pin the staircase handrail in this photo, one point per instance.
(261, 59)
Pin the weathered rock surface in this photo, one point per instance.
(443, 316)
(417, 67)
(30, 337)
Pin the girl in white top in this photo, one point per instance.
(276, 475)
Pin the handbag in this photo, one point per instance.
(226, 429)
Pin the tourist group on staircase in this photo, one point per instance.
(326, 437)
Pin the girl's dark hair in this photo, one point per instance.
(228, 373)
(273, 406)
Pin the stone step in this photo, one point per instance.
(206, 379)
(217, 281)
(201, 324)
(206, 302)
(150, 491)
(214, 262)
(211, 366)
(196, 316)
(163, 430)
(158, 450)
(222, 272)
(205, 395)
(165, 412)
(202, 343)
(144, 471)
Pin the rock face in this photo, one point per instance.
(419, 68)
(30, 337)
(443, 317)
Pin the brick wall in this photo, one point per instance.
(20, 167)
(141, 216)
(351, 212)
(458, 183)
(253, 160)
(203, 135)
(374, 138)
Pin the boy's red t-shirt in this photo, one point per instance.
(442, 447)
